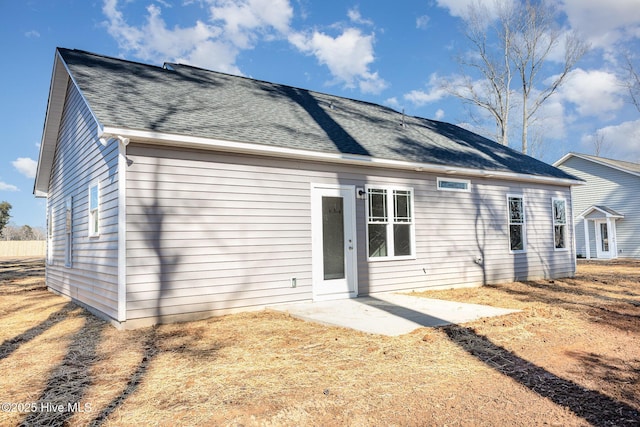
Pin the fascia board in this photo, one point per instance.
(609, 165)
(53, 118)
(186, 141)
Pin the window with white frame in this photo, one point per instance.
(559, 223)
(517, 231)
(390, 225)
(94, 224)
(451, 184)
(68, 232)
(49, 233)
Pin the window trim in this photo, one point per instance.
(68, 232)
(50, 231)
(390, 222)
(524, 224)
(554, 224)
(467, 182)
(90, 214)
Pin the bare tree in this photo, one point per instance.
(632, 81)
(538, 36)
(491, 61)
(516, 40)
(25, 232)
(598, 143)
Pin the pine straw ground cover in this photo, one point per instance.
(571, 357)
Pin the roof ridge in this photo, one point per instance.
(360, 101)
(98, 55)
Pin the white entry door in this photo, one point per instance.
(604, 240)
(334, 242)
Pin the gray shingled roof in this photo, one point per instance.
(185, 100)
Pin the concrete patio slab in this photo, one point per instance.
(389, 314)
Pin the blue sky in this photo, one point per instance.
(392, 53)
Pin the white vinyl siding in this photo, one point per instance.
(614, 189)
(212, 232)
(80, 159)
(559, 212)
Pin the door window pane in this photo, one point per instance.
(605, 237)
(333, 238)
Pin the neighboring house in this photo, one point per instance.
(177, 193)
(607, 208)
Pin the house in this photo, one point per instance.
(177, 193)
(607, 208)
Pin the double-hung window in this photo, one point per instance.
(559, 207)
(94, 224)
(390, 223)
(517, 230)
(68, 232)
(49, 233)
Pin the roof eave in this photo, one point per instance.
(609, 165)
(596, 208)
(186, 141)
(52, 120)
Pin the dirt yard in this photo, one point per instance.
(571, 357)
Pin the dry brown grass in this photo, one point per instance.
(569, 358)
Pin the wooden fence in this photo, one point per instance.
(20, 248)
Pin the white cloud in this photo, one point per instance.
(604, 23)
(245, 20)
(422, 22)
(435, 92)
(621, 141)
(33, 34)
(594, 92)
(26, 166)
(347, 56)
(356, 18)
(392, 102)
(235, 25)
(551, 120)
(7, 187)
(439, 114)
(460, 8)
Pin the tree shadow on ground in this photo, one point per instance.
(70, 380)
(621, 313)
(11, 345)
(596, 408)
(614, 371)
(150, 351)
(15, 270)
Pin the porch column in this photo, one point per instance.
(613, 244)
(587, 247)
